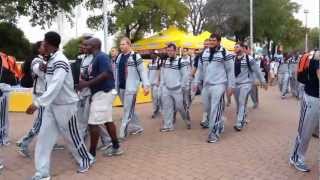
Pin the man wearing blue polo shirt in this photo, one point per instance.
(102, 85)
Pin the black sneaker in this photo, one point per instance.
(237, 128)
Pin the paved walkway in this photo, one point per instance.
(260, 152)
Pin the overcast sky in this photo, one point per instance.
(36, 33)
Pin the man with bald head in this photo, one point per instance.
(102, 86)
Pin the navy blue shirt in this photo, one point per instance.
(312, 85)
(122, 70)
(101, 63)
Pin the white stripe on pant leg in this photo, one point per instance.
(311, 117)
(298, 140)
(78, 143)
(2, 121)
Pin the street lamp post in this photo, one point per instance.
(105, 24)
(251, 26)
(306, 39)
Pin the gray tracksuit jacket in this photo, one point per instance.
(84, 74)
(60, 87)
(293, 63)
(154, 72)
(220, 70)
(39, 85)
(245, 75)
(173, 74)
(136, 73)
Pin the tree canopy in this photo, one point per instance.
(13, 41)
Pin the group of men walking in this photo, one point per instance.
(80, 106)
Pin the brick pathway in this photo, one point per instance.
(260, 152)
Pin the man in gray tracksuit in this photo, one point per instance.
(245, 67)
(216, 69)
(60, 116)
(283, 74)
(4, 122)
(174, 71)
(39, 87)
(129, 73)
(186, 89)
(154, 77)
(293, 63)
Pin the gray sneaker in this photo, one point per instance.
(166, 129)
(113, 152)
(139, 131)
(212, 138)
(24, 152)
(39, 177)
(105, 147)
(83, 169)
(58, 147)
(300, 166)
(1, 166)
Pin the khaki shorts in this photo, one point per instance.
(101, 108)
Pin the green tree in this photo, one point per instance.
(13, 41)
(71, 48)
(313, 38)
(135, 18)
(40, 12)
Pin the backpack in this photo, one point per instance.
(9, 71)
(303, 69)
(134, 57)
(179, 63)
(212, 53)
(248, 63)
(75, 69)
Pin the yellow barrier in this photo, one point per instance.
(19, 101)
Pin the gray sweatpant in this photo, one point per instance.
(173, 101)
(155, 93)
(213, 94)
(4, 122)
(83, 114)
(241, 97)
(283, 83)
(293, 85)
(60, 119)
(309, 115)
(187, 98)
(254, 94)
(34, 131)
(130, 121)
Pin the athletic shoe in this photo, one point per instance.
(39, 177)
(166, 129)
(58, 147)
(315, 135)
(283, 96)
(113, 152)
(300, 166)
(188, 126)
(83, 169)
(204, 125)
(105, 147)
(255, 106)
(24, 152)
(237, 128)
(1, 166)
(139, 131)
(212, 138)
